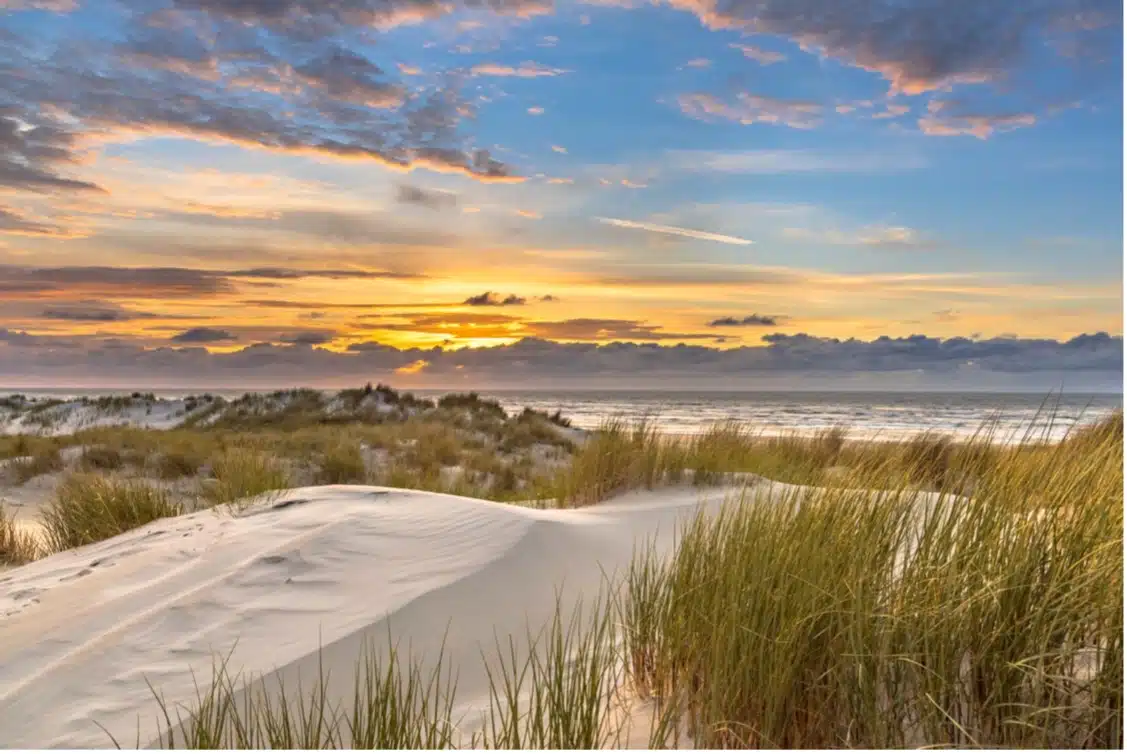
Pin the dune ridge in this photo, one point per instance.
(295, 581)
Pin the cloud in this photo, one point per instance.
(429, 198)
(559, 149)
(946, 118)
(58, 6)
(892, 111)
(752, 108)
(535, 111)
(32, 150)
(670, 230)
(16, 224)
(917, 47)
(751, 320)
(345, 75)
(874, 236)
(293, 89)
(309, 337)
(380, 14)
(93, 311)
(414, 367)
(526, 70)
(699, 63)
(489, 298)
(782, 161)
(605, 330)
(18, 282)
(758, 54)
(1089, 359)
(203, 335)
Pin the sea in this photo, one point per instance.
(876, 415)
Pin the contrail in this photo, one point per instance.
(674, 231)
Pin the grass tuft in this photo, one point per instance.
(17, 546)
(240, 473)
(343, 463)
(89, 508)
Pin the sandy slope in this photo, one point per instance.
(83, 630)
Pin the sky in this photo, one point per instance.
(524, 192)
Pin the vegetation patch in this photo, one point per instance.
(89, 508)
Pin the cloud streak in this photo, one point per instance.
(671, 230)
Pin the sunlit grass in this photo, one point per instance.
(89, 508)
(17, 546)
(828, 617)
(242, 473)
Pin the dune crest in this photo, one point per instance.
(306, 577)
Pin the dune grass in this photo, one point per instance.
(832, 617)
(839, 618)
(16, 545)
(241, 473)
(89, 508)
(343, 463)
(45, 460)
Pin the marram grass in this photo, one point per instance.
(828, 618)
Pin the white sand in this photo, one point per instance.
(82, 631)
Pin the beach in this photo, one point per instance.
(260, 566)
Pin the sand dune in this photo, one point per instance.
(329, 567)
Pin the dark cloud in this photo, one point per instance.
(378, 13)
(204, 335)
(751, 320)
(292, 88)
(917, 46)
(604, 330)
(93, 311)
(342, 74)
(429, 198)
(550, 299)
(309, 337)
(489, 298)
(155, 282)
(283, 273)
(32, 149)
(16, 224)
(1036, 364)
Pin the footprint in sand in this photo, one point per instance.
(73, 576)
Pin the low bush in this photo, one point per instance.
(342, 464)
(101, 458)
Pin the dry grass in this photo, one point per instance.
(16, 545)
(46, 460)
(239, 474)
(89, 508)
(840, 618)
(833, 618)
(342, 464)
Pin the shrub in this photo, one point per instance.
(342, 464)
(101, 458)
(243, 473)
(90, 508)
(176, 464)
